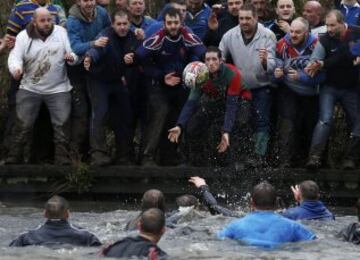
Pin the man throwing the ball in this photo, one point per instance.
(211, 108)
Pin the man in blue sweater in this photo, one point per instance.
(310, 207)
(169, 51)
(108, 82)
(86, 20)
(263, 227)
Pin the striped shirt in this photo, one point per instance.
(22, 14)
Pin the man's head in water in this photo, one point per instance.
(263, 197)
(187, 200)
(309, 190)
(56, 208)
(152, 224)
(153, 199)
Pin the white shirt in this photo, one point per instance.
(42, 62)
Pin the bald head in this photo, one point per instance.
(41, 11)
(43, 22)
(313, 12)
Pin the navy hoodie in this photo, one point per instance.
(309, 210)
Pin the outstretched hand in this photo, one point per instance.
(296, 191)
(197, 181)
(224, 143)
(174, 134)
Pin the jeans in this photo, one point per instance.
(261, 105)
(110, 98)
(298, 116)
(329, 96)
(28, 105)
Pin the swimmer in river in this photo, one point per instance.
(57, 229)
(151, 228)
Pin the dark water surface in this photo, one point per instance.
(194, 238)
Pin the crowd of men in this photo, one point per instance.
(279, 70)
(266, 226)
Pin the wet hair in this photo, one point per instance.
(304, 22)
(357, 205)
(172, 12)
(214, 49)
(309, 190)
(338, 15)
(153, 199)
(56, 207)
(264, 196)
(249, 7)
(152, 221)
(186, 200)
(120, 13)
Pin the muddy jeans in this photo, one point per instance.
(28, 105)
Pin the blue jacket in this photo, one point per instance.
(81, 32)
(55, 232)
(169, 54)
(291, 57)
(266, 229)
(351, 13)
(309, 210)
(108, 62)
(199, 22)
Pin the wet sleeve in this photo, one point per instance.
(96, 53)
(301, 233)
(93, 240)
(209, 200)
(18, 242)
(227, 232)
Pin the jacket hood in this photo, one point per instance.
(317, 208)
(76, 12)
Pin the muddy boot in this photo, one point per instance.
(352, 155)
(314, 161)
(99, 158)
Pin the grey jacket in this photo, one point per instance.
(246, 58)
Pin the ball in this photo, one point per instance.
(195, 74)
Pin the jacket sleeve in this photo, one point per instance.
(224, 47)
(78, 46)
(18, 242)
(68, 48)
(270, 45)
(15, 23)
(208, 199)
(96, 53)
(16, 57)
(93, 240)
(189, 108)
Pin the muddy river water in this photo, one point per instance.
(193, 238)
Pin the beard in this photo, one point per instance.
(45, 32)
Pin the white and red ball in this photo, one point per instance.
(195, 74)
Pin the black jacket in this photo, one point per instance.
(55, 232)
(215, 209)
(351, 233)
(338, 62)
(134, 246)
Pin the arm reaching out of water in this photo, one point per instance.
(209, 200)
